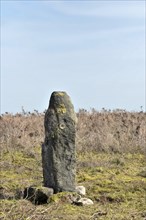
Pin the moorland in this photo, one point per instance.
(110, 154)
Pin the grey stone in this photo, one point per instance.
(58, 150)
(38, 195)
(81, 190)
(83, 202)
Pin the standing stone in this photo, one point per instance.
(58, 150)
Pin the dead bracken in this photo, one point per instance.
(110, 165)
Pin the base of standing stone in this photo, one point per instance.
(42, 195)
(38, 195)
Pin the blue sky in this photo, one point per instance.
(93, 50)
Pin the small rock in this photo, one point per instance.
(81, 190)
(83, 201)
(38, 195)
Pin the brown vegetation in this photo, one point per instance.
(110, 164)
(117, 131)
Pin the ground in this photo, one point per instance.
(114, 179)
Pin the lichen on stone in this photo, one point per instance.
(59, 93)
(61, 109)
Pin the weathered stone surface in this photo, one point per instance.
(58, 150)
(38, 195)
(81, 190)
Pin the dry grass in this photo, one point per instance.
(110, 164)
(117, 131)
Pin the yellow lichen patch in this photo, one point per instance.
(59, 94)
(61, 109)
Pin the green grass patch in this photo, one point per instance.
(112, 181)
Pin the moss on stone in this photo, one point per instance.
(61, 109)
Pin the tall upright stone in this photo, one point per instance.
(58, 150)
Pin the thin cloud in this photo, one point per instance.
(15, 31)
(100, 9)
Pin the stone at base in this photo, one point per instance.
(38, 195)
(83, 201)
(81, 190)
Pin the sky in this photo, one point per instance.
(93, 50)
